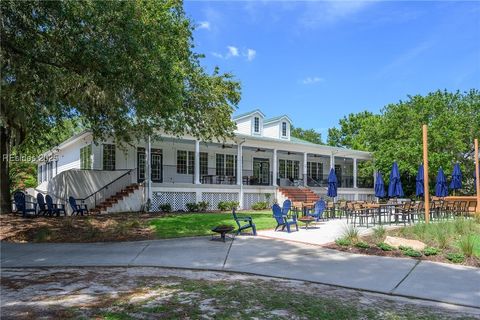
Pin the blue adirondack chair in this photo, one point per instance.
(282, 219)
(77, 208)
(287, 205)
(241, 219)
(42, 206)
(317, 212)
(54, 208)
(21, 204)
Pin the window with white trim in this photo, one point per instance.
(289, 169)
(109, 157)
(284, 129)
(256, 125)
(185, 162)
(203, 163)
(86, 157)
(226, 164)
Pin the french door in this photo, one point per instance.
(156, 161)
(261, 171)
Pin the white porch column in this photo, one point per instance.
(149, 169)
(275, 168)
(197, 163)
(354, 172)
(332, 161)
(239, 164)
(305, 178)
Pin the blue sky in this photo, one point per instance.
(319, 61)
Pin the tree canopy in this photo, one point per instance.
(306, 134)
(123, 68)
(395, 134)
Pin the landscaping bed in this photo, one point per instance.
(456, 241)
(119, 226)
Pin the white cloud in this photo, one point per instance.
(312, 80)
(328, 12)
(251, 54)
(233, 51)
(217, 55)
(204, 25)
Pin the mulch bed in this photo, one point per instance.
(92, 228)
(375, 251)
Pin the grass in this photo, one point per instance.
(201, 224)
(199, 299)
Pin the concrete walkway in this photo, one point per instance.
(398, 276)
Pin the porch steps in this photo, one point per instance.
(119, 196)
(299, 194)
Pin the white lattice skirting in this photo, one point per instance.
(213, 198)
(177, 200)
(251, 198)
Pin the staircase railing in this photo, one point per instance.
(109, 189)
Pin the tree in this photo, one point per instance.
(306, 134)
(395, 134)
(351, 133)
(125, 68)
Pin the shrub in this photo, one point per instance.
(227, 205)
(343, 242)
(351, 233)
(134, 223)
(261, 205)
(412, 253)
(455, 257)
(191, 207)
(430, 251)
(379, 233)
(202, 206)
(166, 207)
(43, 234)
(384, 246)
(404, 248)
(362, 245)
(467, 244)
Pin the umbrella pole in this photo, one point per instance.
(477, 173)
(426, 191)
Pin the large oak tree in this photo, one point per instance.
(123, 68)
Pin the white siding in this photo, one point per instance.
(244, 126)
(69, 157)
(272, 130)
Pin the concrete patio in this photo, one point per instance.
(256, 255)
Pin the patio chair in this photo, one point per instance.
(42, 206)
(77, 208)
(54, 208)
(21, 204)
(287, 205)
(283, 220)
(318, 210)
(240, 219)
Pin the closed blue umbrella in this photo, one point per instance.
(379, 186)
(332, 184)
(395, 189)
(441, 189)
(456, 182)
(419, 186)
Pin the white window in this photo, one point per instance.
(284, 129)
(86, 157)
(108, 157)
(256, 125)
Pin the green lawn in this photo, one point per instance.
(200, 224)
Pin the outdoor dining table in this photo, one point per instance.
(380, 206)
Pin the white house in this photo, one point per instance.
(259, 163)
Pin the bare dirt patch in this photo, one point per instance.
(145, 293)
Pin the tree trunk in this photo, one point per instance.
(5, 204)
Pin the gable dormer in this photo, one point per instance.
(250, 123)
(278, 127)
